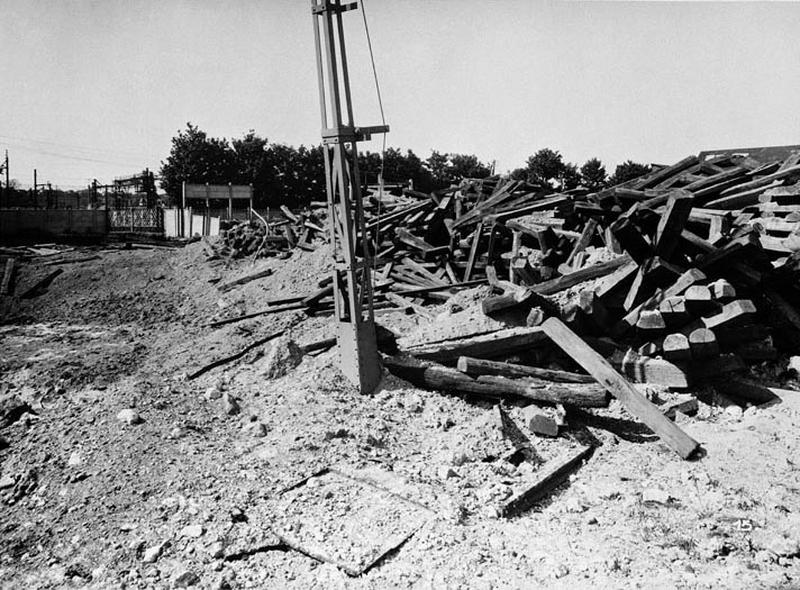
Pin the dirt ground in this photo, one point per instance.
(194, 492)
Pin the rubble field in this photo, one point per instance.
(176, 417)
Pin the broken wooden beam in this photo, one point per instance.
(546, 478)
(439, 377)
(476, 367)
(683, 282)
(579, 276)
(619, 387)
(230, 358)
(672, 222)
(491, 345)
(224, 287)
(643, 369)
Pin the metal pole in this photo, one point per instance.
(352, 280)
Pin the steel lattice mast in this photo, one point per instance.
(352, 283)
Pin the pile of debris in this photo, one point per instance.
(262, 237)
(692, 276)
(684, 277)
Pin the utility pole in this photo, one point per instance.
(352, 283)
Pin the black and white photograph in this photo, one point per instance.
(399, 294)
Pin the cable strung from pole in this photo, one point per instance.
(383, 142)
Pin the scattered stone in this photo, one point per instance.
(177, 432)
(213, 392)
(237, 515)
(458, 458)
(446, 472)
(185, 579)
(539, 421)
(256, 429)
(193, 530)
(283, 356)
(216, 550)
(230, 405)
(413, 403)
(612, 563)
(734, 411)
(151, 554)
(129, 416)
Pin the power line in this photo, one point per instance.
(78, 158)
(74, 147)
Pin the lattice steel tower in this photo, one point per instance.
(352, 283)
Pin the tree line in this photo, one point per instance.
(283, 174)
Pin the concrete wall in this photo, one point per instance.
(21, 223)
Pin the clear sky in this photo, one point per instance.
(96, 88)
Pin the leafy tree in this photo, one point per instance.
(545, 166)
(400, 167)
(570, 177)
(519, 174)
(628, 171)
(448, 169)
(252, 165)
(467, 166)
(593, 174)
(194, 157)
(437, 165)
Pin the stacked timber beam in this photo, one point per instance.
(698, 279)
(261, 237)
(446, 240)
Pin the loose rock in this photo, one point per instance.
(129, 416)
(283, 356)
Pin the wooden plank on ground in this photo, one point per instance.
(546, 478)
(404, 303)
(224, 287)
(434, 376)
(235, 356)
(619, 387)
